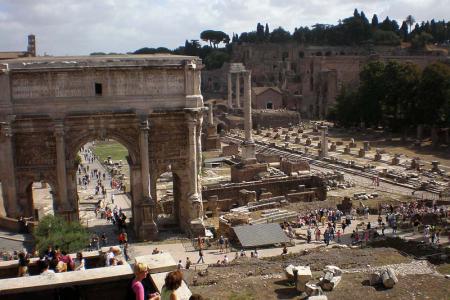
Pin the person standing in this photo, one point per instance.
(188, 263)
(79, 262)
(308, 235)
(221, 243)
(171, 284)
(140, 271)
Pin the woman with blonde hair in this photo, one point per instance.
(140, 272)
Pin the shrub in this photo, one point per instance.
(55, 231)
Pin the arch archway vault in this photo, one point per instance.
(150, 104)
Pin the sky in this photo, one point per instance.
(80, 27)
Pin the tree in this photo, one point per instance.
(410, 22)
(374, 21)
(400, 82)
(55, 231)
(215, 59)
(419, 41)
(260, 32)
(346, 109)
(280, 35)
(404, 31)
(267, 32)
(387, 38)
(214, 37)
(434, 96)
(371, 93)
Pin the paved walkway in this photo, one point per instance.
(88, 202)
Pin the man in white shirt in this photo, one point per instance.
(109, 255)
(45, 268)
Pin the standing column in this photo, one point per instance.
(61, 172)
(145, 210)
(248, 147)
(210, 114)
(7, 172)
(248, 124)
(238, 90)
(195, 200)
(230, 91)
(192, 125)
(198, 151)
(324, 152)
(145, 167)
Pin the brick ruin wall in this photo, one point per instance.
(229, 195)
(310, 77)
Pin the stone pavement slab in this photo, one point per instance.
(158, 263)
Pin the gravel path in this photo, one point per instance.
(415, 267)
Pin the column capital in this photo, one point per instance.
(6, 129)
(58, 128)
(194, 114)
(144, 125)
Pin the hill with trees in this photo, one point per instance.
(352, 31)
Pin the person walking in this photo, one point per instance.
(200, 256)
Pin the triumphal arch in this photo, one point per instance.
(152, 104)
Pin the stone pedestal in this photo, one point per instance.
(395, 160)
(333, 147)
(415, 164)
(377, 156)
(211, 141)
(361, 152)
(197, 227)
(248, 152)
(435, 166)
(347, 149)
(148, 230)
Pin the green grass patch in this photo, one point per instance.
(241, 296)
(443, 268)
(117, 151)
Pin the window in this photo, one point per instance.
(269, 105)
(98, 89)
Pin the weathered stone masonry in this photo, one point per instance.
(50, 107)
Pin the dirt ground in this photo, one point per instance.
(264, 279)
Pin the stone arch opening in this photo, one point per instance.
(41, 200)
(168, 197)
(103, 186)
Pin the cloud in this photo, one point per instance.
(67, 27)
